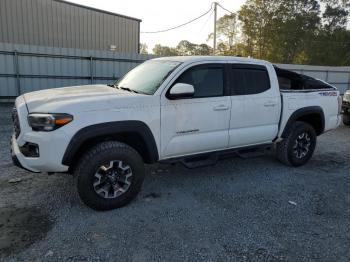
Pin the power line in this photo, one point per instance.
(206, 22)
(175, 27)
(225, 9)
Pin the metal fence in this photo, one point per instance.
(25, 68)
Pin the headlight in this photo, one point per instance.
(48, 122)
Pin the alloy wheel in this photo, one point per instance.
(113, 179)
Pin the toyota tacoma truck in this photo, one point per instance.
(175, 109)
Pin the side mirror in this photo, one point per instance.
(181, 90)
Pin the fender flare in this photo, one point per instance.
(108, 129)
(303, 112)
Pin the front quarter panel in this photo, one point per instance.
(53, 145)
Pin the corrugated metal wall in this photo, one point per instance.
(36, 67)
(32, 68)
(59, 24)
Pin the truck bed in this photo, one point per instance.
(324, 99)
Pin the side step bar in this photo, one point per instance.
(210, 159)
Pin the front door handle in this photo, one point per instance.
(220, 108)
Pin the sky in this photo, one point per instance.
(163, 14)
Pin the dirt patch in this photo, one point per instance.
(21, 227)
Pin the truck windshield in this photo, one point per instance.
(147, 77)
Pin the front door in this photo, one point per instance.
(198, 124)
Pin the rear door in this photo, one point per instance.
(256, 105)
(200, 123)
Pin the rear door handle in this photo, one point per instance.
(270, 104)
(220, 108)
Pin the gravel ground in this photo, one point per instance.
(239, 210)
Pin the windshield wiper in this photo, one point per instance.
(127, 89)
(131, 90)
(121, 87)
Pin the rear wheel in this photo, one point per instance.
(299, 145)
(109, 175)
(346, 120)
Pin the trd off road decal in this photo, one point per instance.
(328, 93)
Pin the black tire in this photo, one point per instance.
(346, 120)
(288, 151)
(96, 159)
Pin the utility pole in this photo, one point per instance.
(215, 15)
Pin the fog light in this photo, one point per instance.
(30, 150)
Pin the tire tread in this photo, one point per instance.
(281, 148)
(83, 168)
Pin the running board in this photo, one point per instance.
(209, 159)
(253, 152)
(200, 161)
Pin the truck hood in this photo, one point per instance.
(87, 97)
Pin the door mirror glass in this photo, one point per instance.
(181, 90)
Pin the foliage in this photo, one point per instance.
(164, 50)
(281, 31)
(143, 49)
(183, 48)
(289, 31)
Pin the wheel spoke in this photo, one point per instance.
(302, 145)
(103, 190)
(113, 179)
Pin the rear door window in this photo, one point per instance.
(249, 79)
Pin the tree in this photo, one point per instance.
(226, 32)
(164, 50)
(278, 30)
(183, 48)
(336, 14)
(332, 44)
(143, 49)
(296, 31)
(203, 49)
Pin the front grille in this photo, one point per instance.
(16, 126)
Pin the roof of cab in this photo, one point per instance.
(191, 59)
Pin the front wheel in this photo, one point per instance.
(109, 175)
(299, 145)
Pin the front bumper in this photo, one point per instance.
(48, 161)
(15, 160)
(52, 145)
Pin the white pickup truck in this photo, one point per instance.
(187, 109)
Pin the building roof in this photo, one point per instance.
(98, 10)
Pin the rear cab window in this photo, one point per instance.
(247, 79)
